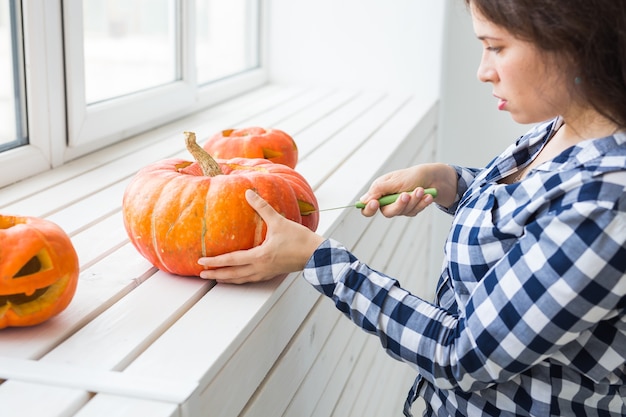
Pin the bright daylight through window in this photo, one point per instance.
(132, 45)
(129, 46)
(12, 126)
(101, 71)
(226, 38)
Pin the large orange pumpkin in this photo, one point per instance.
(38, 270)
(176, 211)
(254, 142)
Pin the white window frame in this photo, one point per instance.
(60, 124)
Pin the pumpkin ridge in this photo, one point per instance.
(155, 238)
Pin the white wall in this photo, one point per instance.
(471, 129)
(392, 45)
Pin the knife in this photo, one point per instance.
(383, 201)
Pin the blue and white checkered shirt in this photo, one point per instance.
(530, 310)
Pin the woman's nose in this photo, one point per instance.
(486, 73)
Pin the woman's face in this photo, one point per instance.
(528, 83)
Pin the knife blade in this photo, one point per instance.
(383, 201)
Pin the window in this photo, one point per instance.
(129, 46)
(12, 122)
(225, 41)
(103, 70)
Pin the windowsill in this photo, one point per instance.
(142, 338)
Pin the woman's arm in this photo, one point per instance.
(561, 279)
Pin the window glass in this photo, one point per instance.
(227, 38)
(129, 46)
(101, 71)
(12, 132)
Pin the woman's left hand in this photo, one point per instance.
(287, 248)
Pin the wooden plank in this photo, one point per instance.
(393, 389)
(121, 332)
(255, 357)
(332, 153)
(356, 352)
(99, 287)
(306, 398)
(275, 115)
(315, 114)
(230, 311)
(23, 403)
(61, 374)
(328, 118)
(409, 258)
(358, 375)
(100, 240)
(281, 383)
(90, 209)
(106, 405)
(194, 354)
(116, 336)
(369, 388)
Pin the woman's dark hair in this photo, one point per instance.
(590, 34)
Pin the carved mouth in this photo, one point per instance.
(37, 263)
(17, 299)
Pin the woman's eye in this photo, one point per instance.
(495, 49)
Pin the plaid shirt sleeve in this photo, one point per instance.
(464, 176)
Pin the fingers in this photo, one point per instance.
(237, 275)
(371, 208)
(260, 205)
(408, 204)
(233, 259)
(234, 267)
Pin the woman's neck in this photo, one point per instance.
(586, 125)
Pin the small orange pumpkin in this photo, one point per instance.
(176, 211)
(254, 142)
(38, 270)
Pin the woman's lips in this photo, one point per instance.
(501, 102)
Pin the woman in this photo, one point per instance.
(530, 313)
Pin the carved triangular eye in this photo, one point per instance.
(34, 265)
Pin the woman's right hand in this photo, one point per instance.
(411, 182)
(287, 247)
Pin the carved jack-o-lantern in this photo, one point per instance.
(38, 270)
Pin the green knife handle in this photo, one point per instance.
(391, 198)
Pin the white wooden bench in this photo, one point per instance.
(136, 341)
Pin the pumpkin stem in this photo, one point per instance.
(209, 166)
